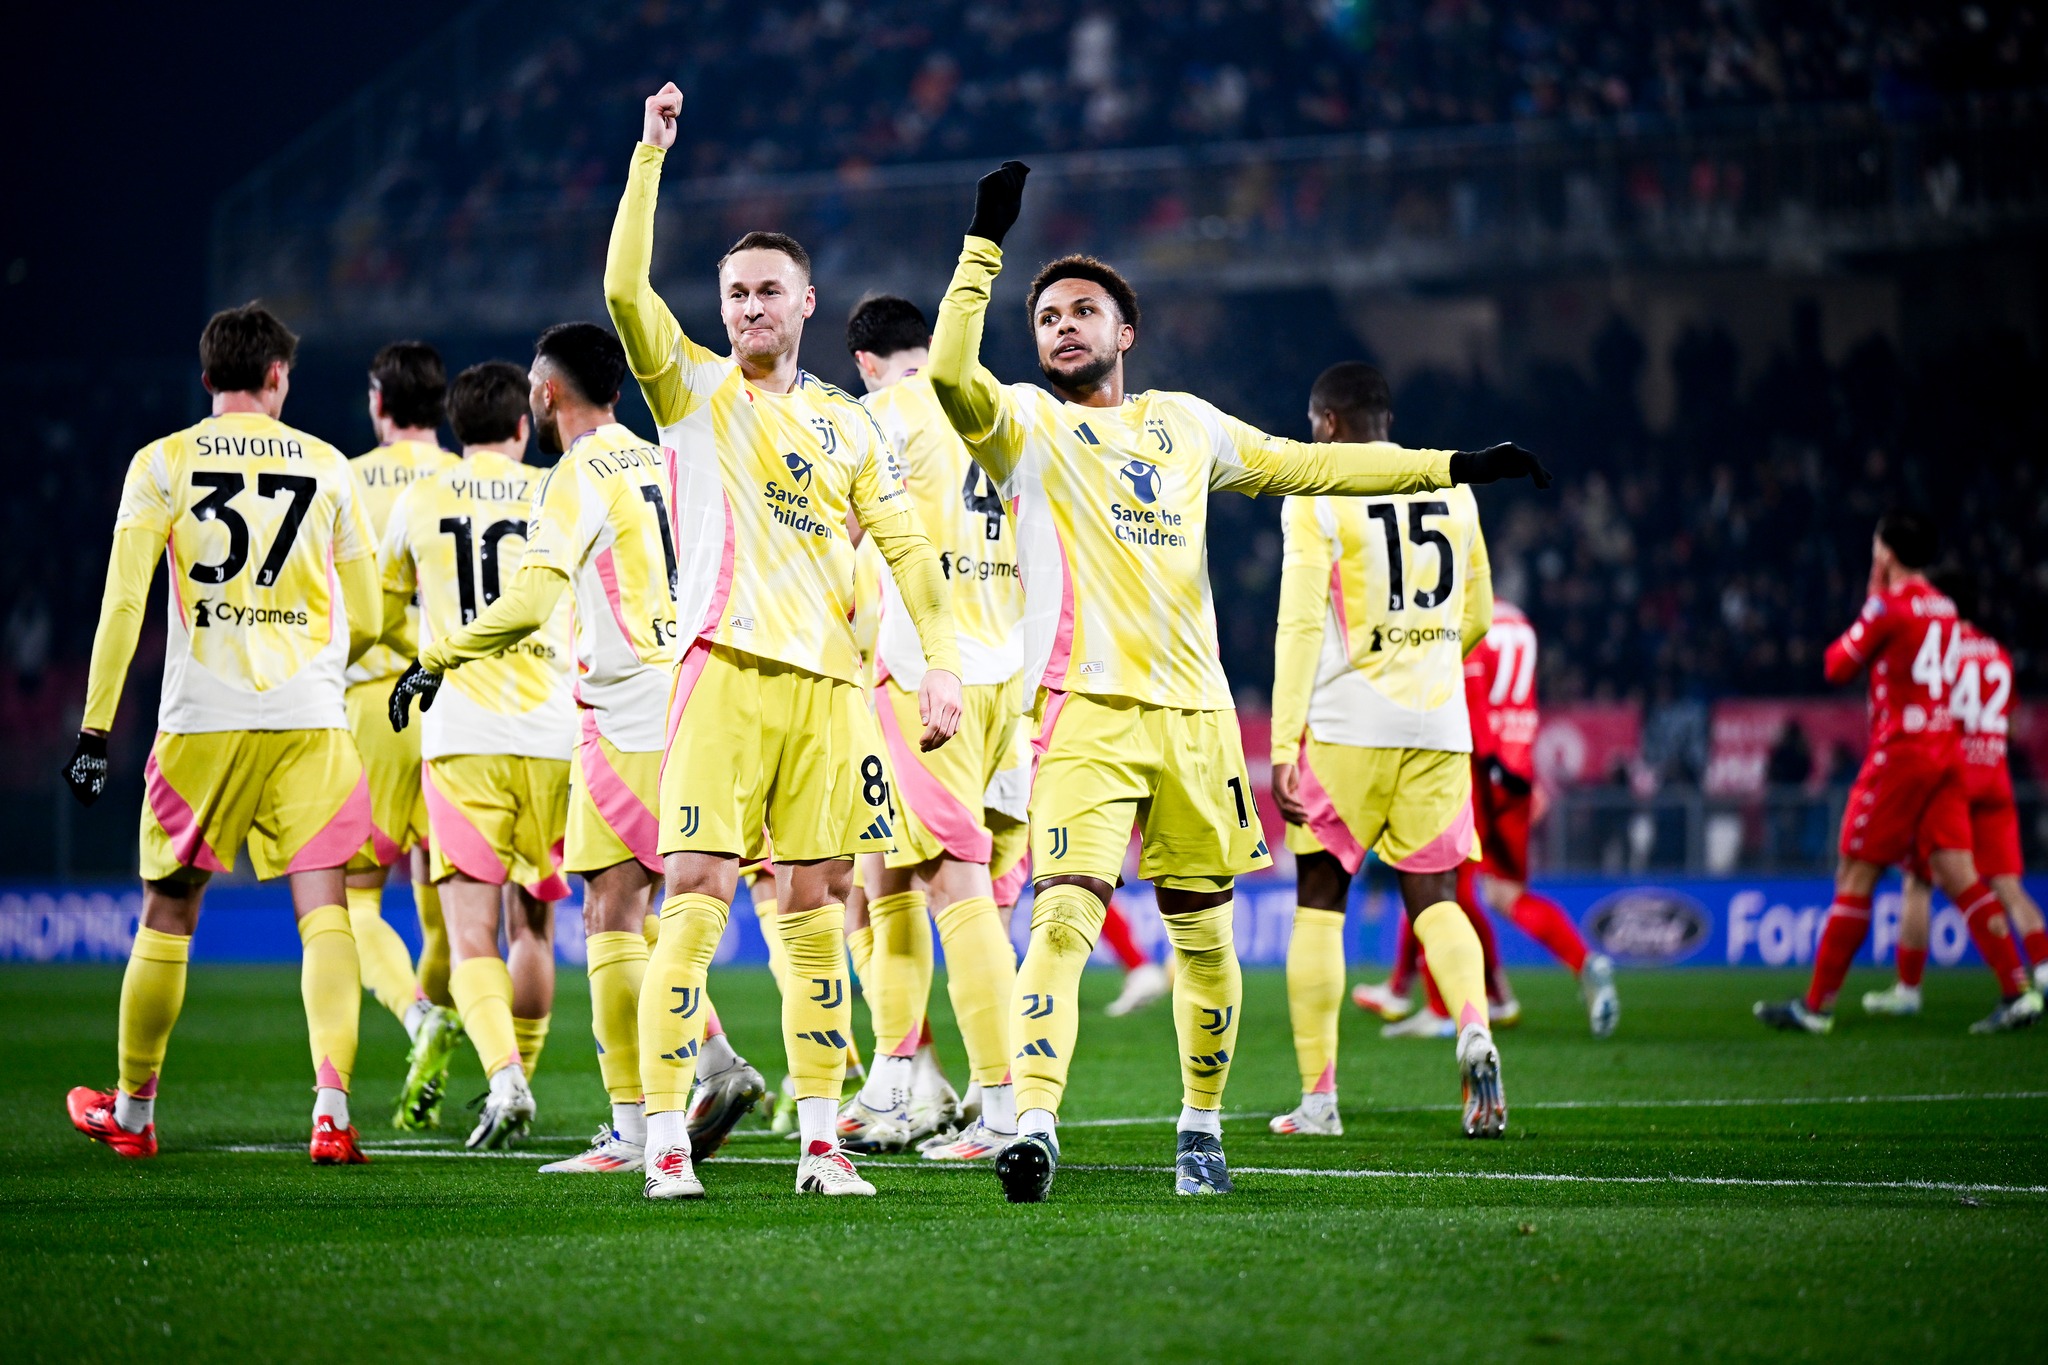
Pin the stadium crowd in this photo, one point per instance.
(877, 84)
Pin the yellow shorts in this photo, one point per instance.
(754, 742)
(940, 796)
(499, 818)
(1414, 805)
(391, 761)
(1009, 859)
(611, 804)
(298, 796)
(1108, 764)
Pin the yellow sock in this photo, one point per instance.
(152, 992)
(672, 1003)
(817, 1015)
(380, 952)
(1455, 960)
(860, 946)
(433, 965)
(331, 984)
(1207, 991)
(1045, 1015)
(778, 960)
(650, 929)
(532, 1036)
(981, 974)
(617, 962)
(482, 987)
(1315, 994)
(901, 961)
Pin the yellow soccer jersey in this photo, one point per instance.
(1111, 508)
(969, 526)
(253, 518)
(455, 538)
(1380, 601)
(762, 481)
(381, 475)
(602, 518)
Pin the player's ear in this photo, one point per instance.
(810, 299)
(1126, 337)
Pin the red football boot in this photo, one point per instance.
(92, 1113)
(333, 1146)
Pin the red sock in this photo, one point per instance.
(924, 1035)
(1117, 931)
(1993, 937)
(1848, 924)
(2037, 946)
(1405, 951)
(1912, 965)
(1544, 920)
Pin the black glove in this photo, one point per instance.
(86, 770)
(415, 682)
(1501, 775)
(997, 198)
(1504, 461)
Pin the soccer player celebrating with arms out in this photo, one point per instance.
(408, 398)
(1135, 724)
(1979, 676)
(767, 725)
(599, 531)
(947, 838)
(497, 744)
(273, 592)
(1380, 602)
(1913, 790)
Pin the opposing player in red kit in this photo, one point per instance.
(1912, 792)
(1979, 675)
(1500, 696)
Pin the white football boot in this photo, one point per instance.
(1424, 1023)
(1374, 998)
(1145, 984)
(825, 1170)
(1486, 1107)
(670, 1175)
(1896, 999)
(608, 1153)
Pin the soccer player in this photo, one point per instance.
(767, 726)
(599, 532)
(272, 594)
(1913, 789)
(496, 746)
(1979, 675)
(1381, 601)
(408, 399)
(945, 836)
(1500, 696)
(1135, 725)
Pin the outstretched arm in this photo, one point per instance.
(969, 394)
(650, 333)
(1250, 461)
(524, 608)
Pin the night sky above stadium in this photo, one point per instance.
(125, 122)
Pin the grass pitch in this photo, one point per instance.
(1694, 1187)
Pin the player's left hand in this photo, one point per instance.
(85, 772)
(938, 706)
(1287, 793)
(1504, 461)
(414, 682)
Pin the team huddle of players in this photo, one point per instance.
(883, 658)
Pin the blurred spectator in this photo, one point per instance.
(1790, 761)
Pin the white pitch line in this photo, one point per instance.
(1750, 1102)
(1286, 1172)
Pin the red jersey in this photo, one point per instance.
(1500, 691)
(1903, 637)
(1979, 676)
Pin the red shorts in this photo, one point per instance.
(1902, 802)
(1994, 840)
(1502, 820)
